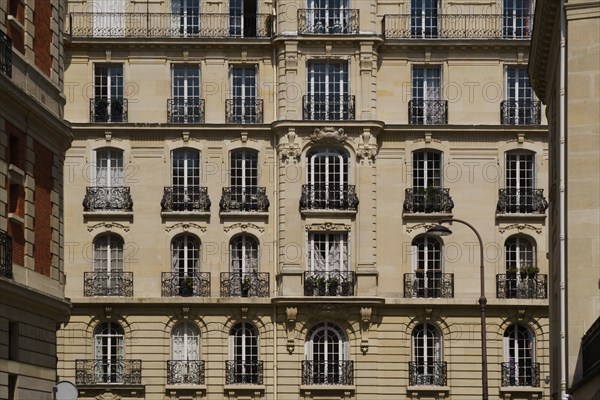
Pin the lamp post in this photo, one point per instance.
(440, 230)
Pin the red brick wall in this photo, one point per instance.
(16, 8)
(43, 36)
(42, 172)
(16, 193)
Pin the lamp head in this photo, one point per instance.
(439, 230)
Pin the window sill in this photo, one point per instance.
(328, 212)
(184, 214)
(507, 391)
(521, 216)
(434, 216)
(16, 174)
(108, 215)
(327, 388)
(173, 389)
(12, 217)
(244, 214)
(434, 392)
(15, 22)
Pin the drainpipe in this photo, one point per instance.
(562, 207)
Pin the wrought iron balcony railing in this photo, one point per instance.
(429, 284)
(239, 372)
(185, 198)
(428, 112)
(176, 284)
(428, 200)
(327, 21)
(327, 372)
(96, 284)
(105, 371)
(427, 374)
(168, 25)
(249, 198)
(185, 111)
(328, 108)
(457, 26)
(185, 372)
(520, 112)
(244, 111)
(328, 197)
(5, 255)
(247, 284)
(521, 286)
(521, 201)
(5, 54)
(523, 374)
(104, 198)
(332, 283)
(108, 109)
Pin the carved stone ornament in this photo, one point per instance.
(328, 134)
(243, 226)
(289, 153)
(108, 226)
(290, 325)
(366, 147)
(108, 396)
(521, 228)
(425, 227)
(328, 227)
(365, 325)
(186, 226)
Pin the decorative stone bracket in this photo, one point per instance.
(290, 151)
(365, 324)
(366, 147)
(290, 324)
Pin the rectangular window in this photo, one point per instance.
(109, 18)
(327, 252)
(243, 103)
(12, 386)
(427, 106)
(424, 18)
(185, 104)
(13, 340)
(109, 102)
(427, 169)
(186, 17)
(109, 168)
(517, 19)
(520, 107)
(328, 91)
(328, 16)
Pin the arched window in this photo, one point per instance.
(244, 365)
(424, 18)
(108, 278)
(427, 280)
(185, 366)
(109, 168)
(519, 368)
(109, 353)
(427, 169)
(427, 367)
(244, 258)
(326, 354)
(107, 192)
(185, 261)
(521, 268)
(327, 179)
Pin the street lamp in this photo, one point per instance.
(440, 230)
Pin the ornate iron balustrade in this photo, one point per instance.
(244, 111)
(249, 198)
(185, 198)
(104, 198)
(328, 197)
(97, 284)
(458, 26)
(5, 54)
(110, 110)
(428, 200)
(328, 108)
(520, 112)
(527, 374)
(176, 284)
(248, 284)
(521, 286)
(327, 372)
(239, 372)
(429, 284)
(428, 112)
(328, 21)
(521, 201)
(185, 111)
(102, 371)
(427, 374)
(333, 283)
(5, 255)
(185, 372)
(168, 25)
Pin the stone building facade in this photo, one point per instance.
(574, 215)
(33, 142)
(252, 186)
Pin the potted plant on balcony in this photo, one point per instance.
(246, 286)
(528, 270)
(187, 286)
(332, 286)
(511, 271)
(100, 109)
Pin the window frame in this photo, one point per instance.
(328, 88)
